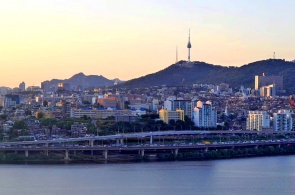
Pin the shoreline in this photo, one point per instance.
(186, 156)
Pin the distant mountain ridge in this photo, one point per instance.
(183, 73)
(84, 81)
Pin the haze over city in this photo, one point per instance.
(42, 40)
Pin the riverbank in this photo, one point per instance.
(13, 158)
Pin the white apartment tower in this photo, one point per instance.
(257, 120)
(282, 121)
(204, 115)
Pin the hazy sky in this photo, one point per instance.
(42, 40)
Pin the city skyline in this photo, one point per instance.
(57, 39)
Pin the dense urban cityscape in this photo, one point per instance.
(59, 111)
(147, 97)
(185, 119)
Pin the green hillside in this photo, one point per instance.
(201, 72)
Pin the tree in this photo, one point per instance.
(28, 112)
(97, 105)
(85, 117)
(40, 115)
(3, 117)
(219, 127)
(86, 102)
(20, 125)
(180, 124)
(126, 104)
(172, 122)
(222, 117)
(189, 124)
(45, 103)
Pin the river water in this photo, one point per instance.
(263, 175)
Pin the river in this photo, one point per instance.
(262, 175)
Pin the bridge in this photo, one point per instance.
(150, 135)
(138, 149)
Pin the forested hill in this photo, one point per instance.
(203, 73)
(84, 81)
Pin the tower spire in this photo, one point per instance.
(176, 54)
(189, 45)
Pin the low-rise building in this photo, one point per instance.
(98, 113)
(167, 115)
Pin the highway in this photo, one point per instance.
(141, 149)
(136, 135)
(147, 147)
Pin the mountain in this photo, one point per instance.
(183, 73)
(81, 80)
(117, 81)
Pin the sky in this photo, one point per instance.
(125, 39)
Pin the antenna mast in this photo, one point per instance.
(176, 54)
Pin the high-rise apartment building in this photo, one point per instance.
(282, 121)
(205, 115)
(257, 120)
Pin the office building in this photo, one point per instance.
(263, 80)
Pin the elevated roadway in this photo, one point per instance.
(142, 149)
(151, 135)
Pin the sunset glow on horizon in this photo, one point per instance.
(43, 40)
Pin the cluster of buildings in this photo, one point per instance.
(206, 105)
(261, 120)
(203, 114)
(252, 109)
(268, 86)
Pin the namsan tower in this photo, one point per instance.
(189, 46)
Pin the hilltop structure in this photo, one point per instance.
(189, 46)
